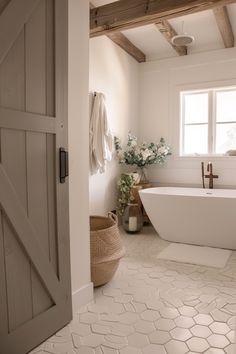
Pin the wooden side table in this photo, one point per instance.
(135, 192)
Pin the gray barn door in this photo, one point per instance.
(35, 294)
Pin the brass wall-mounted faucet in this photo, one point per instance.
(211, 176)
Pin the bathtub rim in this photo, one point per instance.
(190, 192)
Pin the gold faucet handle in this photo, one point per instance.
(209, 167)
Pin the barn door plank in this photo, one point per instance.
(51, 144)
(38, 208)
(18, 270)
(3, 297)
(50, 59)
(18, 276)
(61, 35)
(3, 5)
(45, 324)
(16, 13)
(36, 143)
(18, 273)
(35, 54)
(26, 232)
(51, 199)
(12, 81)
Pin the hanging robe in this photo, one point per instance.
(101, 141)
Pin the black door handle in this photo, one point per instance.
(64, 165)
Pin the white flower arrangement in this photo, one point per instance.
(143, 154)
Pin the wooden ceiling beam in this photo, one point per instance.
(129, 47)
(168, 32)
(125, 14)
(224, 25)
(122, 41)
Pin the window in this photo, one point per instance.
(208, 121)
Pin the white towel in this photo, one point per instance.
(101, 141)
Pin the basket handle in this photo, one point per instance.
(113, 217)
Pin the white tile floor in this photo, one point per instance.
(155, 307)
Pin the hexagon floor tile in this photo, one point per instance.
(154, 306)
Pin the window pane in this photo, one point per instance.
(196, 139)
(225, 137)
(226, 106)
(196, 108)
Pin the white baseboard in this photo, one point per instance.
(82, 297)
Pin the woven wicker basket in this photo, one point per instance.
(106, 248)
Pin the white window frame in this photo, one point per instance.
(211, 119)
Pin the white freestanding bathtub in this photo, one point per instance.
(205, 217)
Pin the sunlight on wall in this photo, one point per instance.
(116, 74)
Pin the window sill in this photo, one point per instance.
(193, 161)
(215, 156)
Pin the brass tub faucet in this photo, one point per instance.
(211, 176)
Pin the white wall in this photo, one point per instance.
(160, 82)
(78, 151)
(116, 74)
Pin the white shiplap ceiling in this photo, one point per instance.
(201, 25)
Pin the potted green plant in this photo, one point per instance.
(124, 184)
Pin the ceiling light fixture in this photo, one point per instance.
(182, 39)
